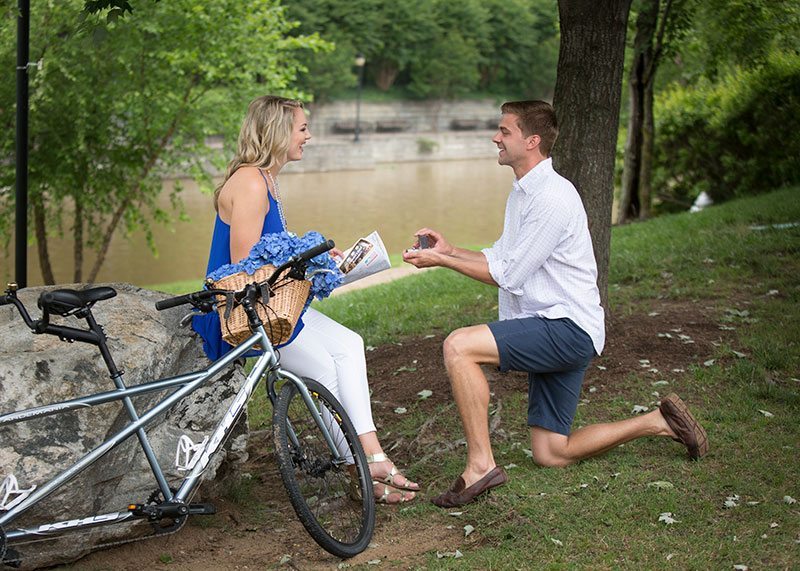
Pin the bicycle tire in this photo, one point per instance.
(334, 502)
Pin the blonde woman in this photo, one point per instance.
(248, 205)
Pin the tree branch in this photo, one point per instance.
(151, 162)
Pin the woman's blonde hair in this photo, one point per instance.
(264, 136)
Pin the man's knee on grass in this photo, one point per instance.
(549, 448)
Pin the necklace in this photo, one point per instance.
(277, 191)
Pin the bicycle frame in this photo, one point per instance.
(266, 365)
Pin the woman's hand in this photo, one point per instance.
(336, 254)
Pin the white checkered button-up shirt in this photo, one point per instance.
(544, 262)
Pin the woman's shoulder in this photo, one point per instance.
(246, 181)
(244, 187)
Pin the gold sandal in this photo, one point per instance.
(388, 491)
(389, 478)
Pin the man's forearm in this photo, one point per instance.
(470, 263)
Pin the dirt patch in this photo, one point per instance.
(655, 343)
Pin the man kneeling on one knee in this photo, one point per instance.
(551, 323)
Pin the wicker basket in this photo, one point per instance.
(279, 316)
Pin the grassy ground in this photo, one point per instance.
(604, 513)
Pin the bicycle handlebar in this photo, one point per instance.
(315, 251)
(204, 296)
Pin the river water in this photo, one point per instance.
(465, 200)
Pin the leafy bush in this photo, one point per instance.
(736, 137)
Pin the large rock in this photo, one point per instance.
(41, 369)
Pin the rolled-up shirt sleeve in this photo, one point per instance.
(511, 264)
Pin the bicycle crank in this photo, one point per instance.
(167, 517)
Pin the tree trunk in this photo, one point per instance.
(106, 243)
(587, 100)
(77, 248)
(647, 152)
(635, 200)
(40, 229)
(629, 193)
(385, 74)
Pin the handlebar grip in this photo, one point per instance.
(316, 250)
(173, 302)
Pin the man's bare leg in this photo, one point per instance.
(553, 449)
(464, 351)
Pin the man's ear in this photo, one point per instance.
(533, 142)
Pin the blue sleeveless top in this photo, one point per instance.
(208, 326)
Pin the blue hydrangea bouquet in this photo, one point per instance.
(276, 249)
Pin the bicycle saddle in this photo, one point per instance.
(62, 301)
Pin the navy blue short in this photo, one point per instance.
(555, 353)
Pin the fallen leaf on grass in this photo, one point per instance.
(667, 518)
(659, 383)
(661, 485)
(468, 529)
(557, 542)
(528, 453)
(789, 500)
(773, 525)
(423, 394)
(454, 554)
(601, 367)
(400, 410)
(766, 413)
(741, 567)
(638, 409)
(455, 514)
(739, 354)
(374, 562)
(709, 362)
(509, 466)
(405, 369)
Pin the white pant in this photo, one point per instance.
(333, 355)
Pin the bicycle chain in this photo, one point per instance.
(161, 532)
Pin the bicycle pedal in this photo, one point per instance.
(202, 509)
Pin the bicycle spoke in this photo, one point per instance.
(331, 495)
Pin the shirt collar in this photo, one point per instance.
(529, 183)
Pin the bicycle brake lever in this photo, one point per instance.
(188, 318)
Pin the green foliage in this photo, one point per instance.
(738, 33)
(738, 136)
(119, 103)
(435, 48)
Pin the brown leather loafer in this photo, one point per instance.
(683, 424)
(460, 495)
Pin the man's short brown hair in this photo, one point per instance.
(535, 117)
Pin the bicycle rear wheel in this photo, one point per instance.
(332, 499)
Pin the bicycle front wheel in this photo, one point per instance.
(333, 498)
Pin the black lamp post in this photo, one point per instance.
(360, 61)
(21, 222)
